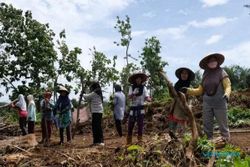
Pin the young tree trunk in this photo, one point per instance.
(78, 109)
(180, 97)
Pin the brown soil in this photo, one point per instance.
(242, 140)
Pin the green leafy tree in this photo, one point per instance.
(124, 28)
(68, 64)
(125, 73)
(102, 68)
(27, 52)
(197, 80)
(239, 76)
(152, 63)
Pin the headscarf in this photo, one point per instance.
(140, 88)
(118, 88)
(95, 87)
(180, 84)
(30, 99)
(21, 104)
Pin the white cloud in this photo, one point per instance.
(173, 32)
(72, 14)
(149, 14)
(211, 3)
(76, 17)
(214, 39)
(239, 55)
(211, 22)
(179, 32)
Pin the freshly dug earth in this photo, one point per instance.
(80, 153)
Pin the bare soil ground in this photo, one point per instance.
(80, 152)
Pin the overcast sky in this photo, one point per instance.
(187, 29)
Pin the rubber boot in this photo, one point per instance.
(129, 140)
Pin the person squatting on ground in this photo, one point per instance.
(215, 88)
(177, 118)
(96, 106)
(20, 105)
(63, 110)
(119, 108)
(47, 106)
(31, 114)
(137, 94)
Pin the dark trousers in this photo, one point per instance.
(97, 128)
(131, 124)
(31, 127)
(118, 125)
(22, 125)
(46, 128)
(68, 133)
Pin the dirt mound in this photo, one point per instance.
(240, 98)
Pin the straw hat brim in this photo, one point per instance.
(191, 74)
(63, 89)
(132, 78)
(219, 57)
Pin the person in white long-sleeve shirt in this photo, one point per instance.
(96, 99)
(119, 108)
(31, 114)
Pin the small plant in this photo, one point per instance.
(232, 156)
(187, 137)
(238, 117)
(204, 145)
(133, 152)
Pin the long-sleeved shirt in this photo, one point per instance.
(119, 105)
(199, 91)
(95, 102)
(217, 100)
(32, 112)
(47, 109)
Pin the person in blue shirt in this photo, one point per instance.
(63, 110)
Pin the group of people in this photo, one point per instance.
(24, 114)
(215, 88)
(59, 112)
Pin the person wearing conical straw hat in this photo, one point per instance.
(215, 88)
(178, 118)
(63, 110)
(138, 95)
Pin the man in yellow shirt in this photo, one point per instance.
(215, 89)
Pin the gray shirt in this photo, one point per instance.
(215, 101)
(95, 102)
(119, 105)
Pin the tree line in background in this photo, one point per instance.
(31, 61)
